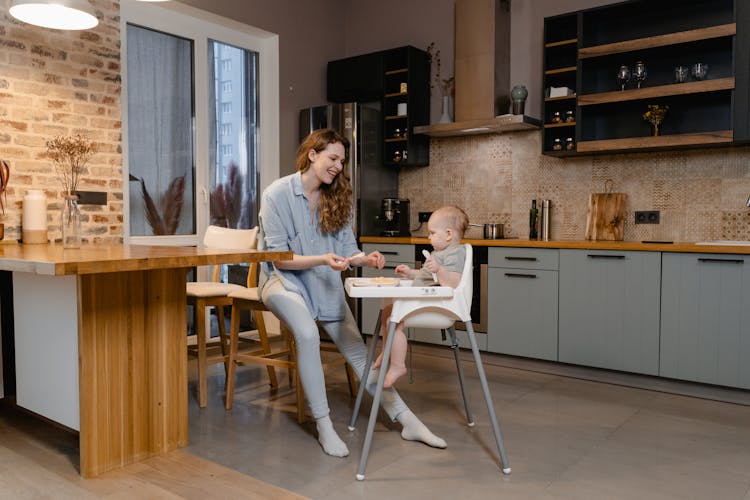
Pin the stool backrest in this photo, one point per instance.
(230, 239)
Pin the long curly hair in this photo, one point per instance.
(335, 204)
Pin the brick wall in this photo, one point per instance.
(54, 83)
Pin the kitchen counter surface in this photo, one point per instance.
(679, 247)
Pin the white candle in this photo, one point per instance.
(34, 210)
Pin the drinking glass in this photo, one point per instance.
(623, 76)
(700, 70)
(639, 72)
(680, 74)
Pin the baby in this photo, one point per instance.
(446, 227)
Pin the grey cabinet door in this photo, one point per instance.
(705, 322)
(609, 309)
(522, 312)
(394, 255)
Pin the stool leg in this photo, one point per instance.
(376, 402)
(459, 367)
(222, 336)
(201, 336)
(260, 324)
(365, 374)
(488, 398)
(234, 334)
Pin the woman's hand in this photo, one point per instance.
(373, 259)
(335, 262)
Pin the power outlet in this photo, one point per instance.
(424, 216)
(647, 217)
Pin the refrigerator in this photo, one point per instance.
(362, 125)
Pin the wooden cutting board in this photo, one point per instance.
(606, 216)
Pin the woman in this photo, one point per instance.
(309, 213)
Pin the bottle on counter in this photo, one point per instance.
(544, 219)
(533, 216)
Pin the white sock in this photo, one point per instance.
(415, 430)
(329, 440)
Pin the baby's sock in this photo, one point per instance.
(415, 430)
(329, 440)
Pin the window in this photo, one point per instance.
(175, 64)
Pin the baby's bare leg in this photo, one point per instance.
(397, 363)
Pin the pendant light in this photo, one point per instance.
(55, 14)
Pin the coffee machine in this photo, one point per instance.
(394, 216)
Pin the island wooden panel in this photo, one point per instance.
(658, 41)
(659, 91)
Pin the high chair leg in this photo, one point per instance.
(376, 402)
(365, 374)
(488, 398)
(459, 367)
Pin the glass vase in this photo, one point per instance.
(70, 222)
(446, 116)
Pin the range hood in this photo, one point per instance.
(482, 73)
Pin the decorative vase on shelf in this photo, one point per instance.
(518, 96)
(446, 116)
(70, 222)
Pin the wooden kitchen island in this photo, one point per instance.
(101, 343)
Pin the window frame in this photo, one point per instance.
(200, 27)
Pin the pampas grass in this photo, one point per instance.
(165, 218)
(226, 200)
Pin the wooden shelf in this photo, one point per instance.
(660, 91)
(498, 125)
(397, 71)
(397, 117)
(396, 94)
(557, 71)
(661, 141)
(658, 41)
(396, 139)
(563, 124)
(561, 154)
(570, 41)
(561, 98)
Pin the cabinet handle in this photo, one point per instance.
(528, 259)
(390, 267)
(732, 261)
(384, 252)
(598, 256)
(518, 275)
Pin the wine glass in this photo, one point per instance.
(623, 76)
(699, 71)
(639, 72)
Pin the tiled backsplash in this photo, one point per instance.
(701, 194)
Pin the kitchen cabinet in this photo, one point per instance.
(705, 318)
(584, 50)
(609, 309)
(406, 104)
(394, 254)
(523, 302)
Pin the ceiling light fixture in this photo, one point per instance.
(55, 14)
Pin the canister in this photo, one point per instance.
(34, 217)
(544, 219)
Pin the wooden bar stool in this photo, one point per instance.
(215, 295)
(249, 299)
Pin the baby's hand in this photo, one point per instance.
(431, 265)
(403, 270)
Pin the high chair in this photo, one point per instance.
(215, 294)
(429, 312)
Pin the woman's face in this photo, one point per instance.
(325, 165)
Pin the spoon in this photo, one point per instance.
(427, 256)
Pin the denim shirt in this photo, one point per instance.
(286, 224)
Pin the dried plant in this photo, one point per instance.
(70, 155)
(446, 84)
(226, 200)
(165, 218)
(4, 178)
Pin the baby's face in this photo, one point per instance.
(438, 233)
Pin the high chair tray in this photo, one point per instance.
(365, 287)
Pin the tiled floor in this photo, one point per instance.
(565, 437)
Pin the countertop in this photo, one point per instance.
(54, 260)
(679, 247)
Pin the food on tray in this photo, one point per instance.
(382, 280)
(378, 281)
